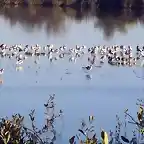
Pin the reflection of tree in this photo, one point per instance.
(141, 17)
(54, 19)
(106, 25)
(36, 17)
(78, 15)
(111, 23)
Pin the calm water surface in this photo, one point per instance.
(111, 89)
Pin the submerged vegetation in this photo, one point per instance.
(14, 131)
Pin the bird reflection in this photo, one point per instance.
(19, 68)
(1, 77)
(66, 73)
(88, 77)
(1, 81)
(36, 62)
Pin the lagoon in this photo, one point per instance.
(111, 89)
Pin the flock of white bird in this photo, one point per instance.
(115, 55)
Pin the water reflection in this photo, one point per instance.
(54, 20)
(35, 18)
(88, 60)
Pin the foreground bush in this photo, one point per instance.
(13, 131)
(88, 130)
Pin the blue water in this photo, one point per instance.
(77, 102)
(103, 96)
(110, 91)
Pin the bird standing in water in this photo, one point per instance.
(89, 67)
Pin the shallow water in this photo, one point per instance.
(110, 90)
